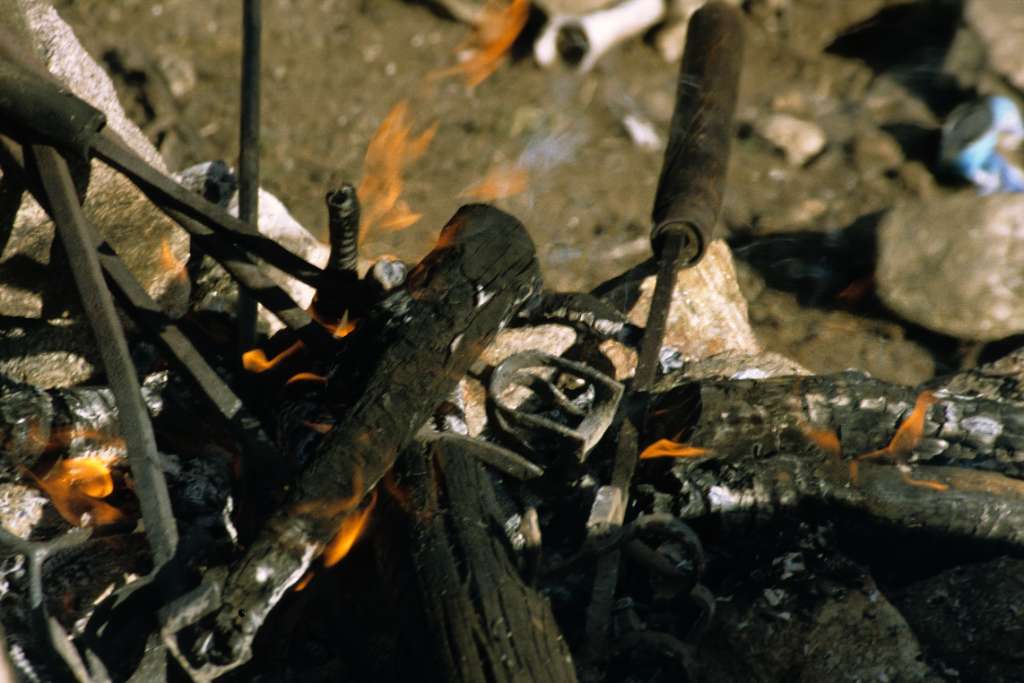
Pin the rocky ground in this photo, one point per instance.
(839, 118)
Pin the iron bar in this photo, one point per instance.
(692, 181)
(143, 458)
(249, 153)
(167, 194)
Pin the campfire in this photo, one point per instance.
(444, 470)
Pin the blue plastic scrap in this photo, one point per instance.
(971, 139)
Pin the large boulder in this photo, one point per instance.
(956, 264)
(32, 283)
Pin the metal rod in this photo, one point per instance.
(692, 181)
(143, 458)
(208, 224)
(148, 314)
(343, 227)
(249, 153)
(167, 194)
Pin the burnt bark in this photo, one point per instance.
(960, 478)
(488, 626)
(405, 357)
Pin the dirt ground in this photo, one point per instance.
(877, 76)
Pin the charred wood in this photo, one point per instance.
(454, 302)
(488, 625)
(768, 449)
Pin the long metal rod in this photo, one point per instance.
(143, 458)
(692, 181)
(166, 193)
(249, 153)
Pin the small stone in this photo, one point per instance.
(797, 139)
(875, 152)
(956, 264)
(918, 180)
(1001, 27)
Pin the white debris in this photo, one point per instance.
(798, 139)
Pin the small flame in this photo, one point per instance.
(170, 263)
(76, 486)
(500, 182)
(667, 448)
(255, 360)
(909, 433)
(387, 155)
(495, 32)
(825, 439)
(318, 427)
(351, 528)
(903, 442)
(306, 377)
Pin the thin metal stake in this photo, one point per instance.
(143, 458)
(249, 154)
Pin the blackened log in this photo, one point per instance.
(404, 359)
(485, 623)
(765, 453)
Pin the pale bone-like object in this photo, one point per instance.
(603, 29)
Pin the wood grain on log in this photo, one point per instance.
(405, 358)
(763, 455)
(487, 625)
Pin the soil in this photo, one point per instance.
(802, 234)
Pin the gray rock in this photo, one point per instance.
(797, 139)
(1001, 27)
(956, 264)
(48, 353)
(152, 247)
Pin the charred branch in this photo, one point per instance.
(473, 282)
(487, 625)
(788, 443)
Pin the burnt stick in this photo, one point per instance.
(406, 357)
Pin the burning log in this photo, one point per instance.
(761, 446)
(476, 278)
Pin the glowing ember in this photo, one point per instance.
(351, 528)
(306, 377)
(76, 486)
(319, 427)
(825, 439)
(170, 263)
(667, 448)
(493, 36)
(387, 155)
(500, 182)
(256, 360)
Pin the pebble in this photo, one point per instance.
(956, 264)
(1001, 27)
(797, 139)
(875, 152)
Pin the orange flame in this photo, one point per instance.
(500, 182)
(76, 486)
(306, 377)
(351, 528)
(667, 448)
(497, 29)
(255, 360)
(825, 439)
(318, 427)
(387, 155)
(903, 442)
(170, 263)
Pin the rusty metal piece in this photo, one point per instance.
(143, 457)
(540, 434)
(343, 212)
(692, 180)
